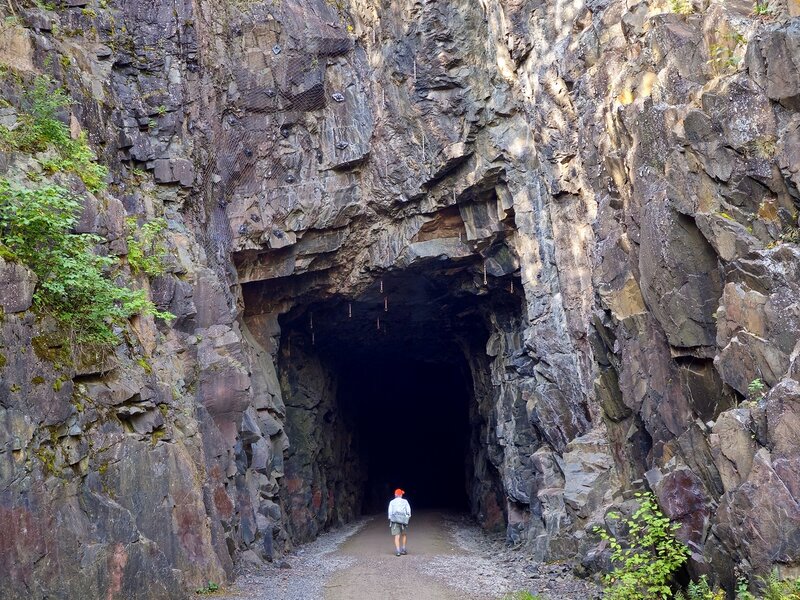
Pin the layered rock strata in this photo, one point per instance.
(609, 189)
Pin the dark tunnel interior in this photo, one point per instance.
(400, 357)
(412, 427)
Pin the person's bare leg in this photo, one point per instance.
(403, 545)
(397, 542)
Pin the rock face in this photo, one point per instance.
(591, 205)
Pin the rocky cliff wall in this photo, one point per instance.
(631, 170)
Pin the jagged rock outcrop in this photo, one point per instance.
(607, 190)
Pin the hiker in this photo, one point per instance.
(399, 515)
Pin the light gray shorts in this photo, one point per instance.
(397, 528)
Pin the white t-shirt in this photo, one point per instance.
(399, 510)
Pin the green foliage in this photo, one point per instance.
(210, 588)
(772, 588)
(791, 234)
(775, 588)
(681, 7)
(339, 5)
(723, 57)
(761, 8)
(522, 596)
(75, 284)
(701, 590)
(146, 366)
(756, 390)
(146, 250)
(742, 593)
(647, 560)
(39, 130)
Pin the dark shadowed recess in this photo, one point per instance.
(399, 353)
(412, 427)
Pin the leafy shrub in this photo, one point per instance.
(778, 589)
(756, 390)
(722, 58)
(742, 593)
(208, 589)
(146, 249)
(772, 588)
(700, 590)
(647, 560)
(75, 284)
(39, 129)
(723, 54)
(681, 7)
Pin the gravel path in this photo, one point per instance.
(449, 558)
(488, 563)
(301, 574)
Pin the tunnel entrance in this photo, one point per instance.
(392, 387)
(412, 427)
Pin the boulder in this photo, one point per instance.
(17, 285)
(771, 60)
(174, 170)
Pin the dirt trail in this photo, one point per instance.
(449, 558)
(378, 573)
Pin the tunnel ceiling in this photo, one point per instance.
(419, 311)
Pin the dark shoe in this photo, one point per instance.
(397, 553)
(403, 552)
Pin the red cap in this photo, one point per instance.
(398, 492)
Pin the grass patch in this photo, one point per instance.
(761, 9)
